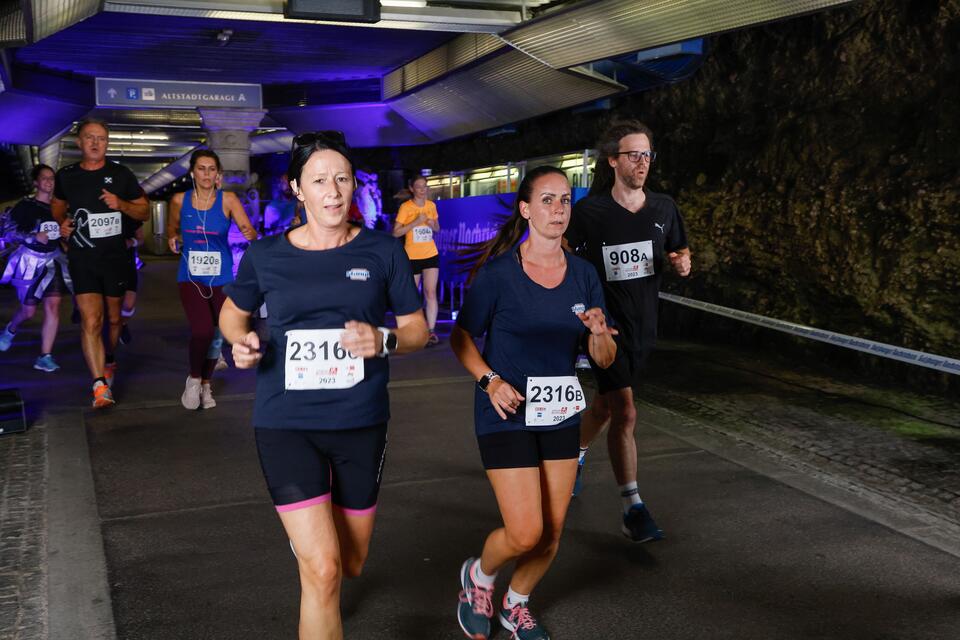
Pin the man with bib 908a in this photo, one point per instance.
(629, 234)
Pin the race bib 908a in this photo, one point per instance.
(628, 261)
(315, 359)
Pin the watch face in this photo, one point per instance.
(392, 341)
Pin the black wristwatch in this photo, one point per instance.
(390, 342)
(486, 379)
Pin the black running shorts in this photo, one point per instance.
(426, 263)
(304, 468)
(133, 276)
(626, 372)
(94, 272)
(519, 449)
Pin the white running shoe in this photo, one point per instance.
(191, 394)
(206, 397)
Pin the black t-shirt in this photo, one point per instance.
(531, 330)
(31, 216)
(629, 250)
(360, 280)
(81, 189)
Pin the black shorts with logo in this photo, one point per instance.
(626, 371)
(96, 272)
(528, 448)
(308, 467)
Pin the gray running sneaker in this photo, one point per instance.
(46, 363)
(191, 394)
(521, 624)
(6, 339)
(476, 605)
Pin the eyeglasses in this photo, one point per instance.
(307, 139)
(636, 156)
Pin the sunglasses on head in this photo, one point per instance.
(307, 139)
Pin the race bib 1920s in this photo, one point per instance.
(315, 359)
(204, 263)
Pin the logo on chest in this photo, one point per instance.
(358, 274)
(108, 180)
(659, 227)
(579, 308)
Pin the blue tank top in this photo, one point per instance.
(205, 231)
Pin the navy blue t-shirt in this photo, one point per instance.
(303, 289)
(531, 330)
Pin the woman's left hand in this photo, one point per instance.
(361, 339)
(595, 320)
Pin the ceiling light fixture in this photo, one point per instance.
(223, 38)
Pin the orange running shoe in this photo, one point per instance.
(110, 372)
(102, 396)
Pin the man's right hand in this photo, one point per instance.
(172, 243)
(246, 352)
(67, 227)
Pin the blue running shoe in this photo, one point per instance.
(6, 339)
(638, 525)
(521, 623)
(476, 605)
(577, 485)
(46, 363)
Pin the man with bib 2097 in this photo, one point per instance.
(629, 234)
(90, 200)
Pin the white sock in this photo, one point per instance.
(630, 495)
(512, 599)
(480, 578)
(583, 453)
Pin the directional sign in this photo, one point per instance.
(124, 92)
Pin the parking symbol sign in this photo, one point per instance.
(133, 93)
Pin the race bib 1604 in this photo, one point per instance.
(422, 234)
(315, 359)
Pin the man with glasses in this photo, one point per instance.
(629, 234)
(91, 199)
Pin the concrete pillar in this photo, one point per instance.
(228, 133)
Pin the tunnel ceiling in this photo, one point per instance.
(419, 75)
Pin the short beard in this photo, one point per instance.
(630, 181)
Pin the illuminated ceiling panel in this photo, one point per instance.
(609, 28)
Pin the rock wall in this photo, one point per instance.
(817, 163)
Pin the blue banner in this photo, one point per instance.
(469, 220)
(123, 92)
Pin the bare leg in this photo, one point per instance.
(430, 278)
(91, 338)
(556, 485)
(314, 536)
(518, 496)
(24, 313)
(113, 314)
(594, 419)
(620, 437)
(51, 322)
(353, 533)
